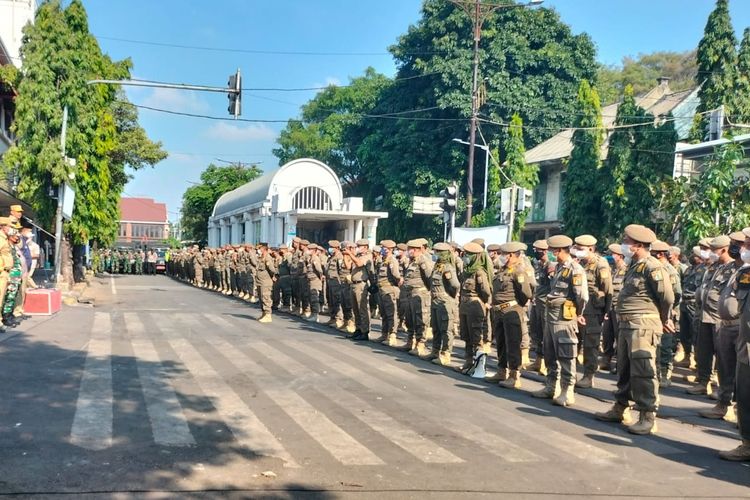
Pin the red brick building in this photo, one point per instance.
(143, 221)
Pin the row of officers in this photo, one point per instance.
(638, 312)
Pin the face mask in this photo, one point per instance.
(581, 253)
(383, 252)
(434, 258)
(411, 254)
(330, 251)
(713, 257)
(503, 260)
(705, 254)
(397, 253)
(734, 251)
(466, 260)
(745, 254)
(539, 254)
(627, 260)
(627, 252)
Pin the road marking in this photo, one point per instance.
(168, 423)
(383, 424)
(112, 285)
(249, 431)
(92, 423)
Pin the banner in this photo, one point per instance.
(492, 234)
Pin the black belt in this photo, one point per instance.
(358, 282)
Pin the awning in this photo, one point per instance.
(330, 215)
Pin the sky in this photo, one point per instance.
(367, 27)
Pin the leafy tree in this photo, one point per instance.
(582, 197)
(717, 60)
(198, 201)
(715, 202)
(521, 173)
(741, 95)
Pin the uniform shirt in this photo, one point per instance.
(285, 265)
(568, 285)
(543, 271)
(646, 290)
(294, 261)
(743, 299)
(729, 305)
(618, 277)
(674, 278)
(599, 281)
(266, 270)
(333, 269)
(444, 283)
(389, 273)
(314, 269)
(715, 282)
(6, 255)
(362, 273)
(418, 273)
(476, 286)
(511, 283)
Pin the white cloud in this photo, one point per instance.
(238, 133)
(186, 101)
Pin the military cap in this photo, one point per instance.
(659, 246)
(236, 247)
(363, 243)
(376, 248)
(312, 246)
(388, 244)
(559, 241)
(262, 244)
(349, 244)
(473, 247)
(275, 248)
(4, 221)
(16, 208)
(513, 247)
(441, 247)
(478, 241)
(705, 242)
(413, 244)
(334, 244)
(296, 239)
(639, 233)
(454, 244)
(541, 244)
(721, 241)
(585, 240)
(304, 242)
(675, 250)
(697, 251)
(615, 248)
(402, 246)
(737, 236)
(746, 232)
(422, 241)
(493, 247)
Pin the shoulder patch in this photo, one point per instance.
(565, 273)
(640, 267)
(656, 275)
(520, 278)
(604, 272)
(744, 280)
(448, 275)
(577, 280)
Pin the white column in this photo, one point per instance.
(224, 232)
(291, 229)
(358, 228)
(211, 234)
(236, 220)
(371, 231)
(247, 218)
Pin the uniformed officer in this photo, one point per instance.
(714, 281)
(599, 280)
(742, 380)
(476, 295)
(544, 269)
(644, 310)
(444, 288)
(402, 254)
(265, 278)
(609, 327)
(565, 305)
(416, 281)
(389, 281)
(511, 290)
(362, 274)
(333, 280)
(348, 327)
(294, 270)
(304, 288)
(688, 310)
(660, 250)
(374, 295)
(314, 281)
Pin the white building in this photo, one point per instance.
(303, 198)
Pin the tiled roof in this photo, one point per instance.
(142, 210)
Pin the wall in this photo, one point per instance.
(14, 14)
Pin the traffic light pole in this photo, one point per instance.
(512, 218)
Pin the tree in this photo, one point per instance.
(198, 201)
(740, 104)
(717, 60)
(519, 172)
(582, 196)
(715, 202)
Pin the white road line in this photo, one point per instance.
(168, 422)
(112, 285)
(383, 424)
(218, 320)
(249, 431)
(492, 443)
(92, 423)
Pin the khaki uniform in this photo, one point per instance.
(715, 279)
(609, 327)
(295, 274)
(667, 345)
(511, 290)
(599, 280)
(361, 275)
(333, 278)
(346, 289)
(314, 282)
(742, 391)
(389, 276)
(416, 281)
(444, 288)
(403, 300)
(265, 277)
(543, 272)
(691, 280)
(727, 342)
(476, 293)
(644, 303)
(285, 279)
(6, 260)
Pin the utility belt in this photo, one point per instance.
(730, 323)
(505, 305)
(357, 282)
(625, 318)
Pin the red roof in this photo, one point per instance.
(142, 210)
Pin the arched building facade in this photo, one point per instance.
(303, 198)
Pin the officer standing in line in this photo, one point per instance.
(362, 274)
(599, 280)
(444, 288)
(543, 270)
(314, 281)
(285, 278)
(374, 298)
(688, 309)
(742, 380)
(565, 305)
(403, 300)
(295, 258)
(609, 327)
(333, 278)
(416, 281)
(511, 290)
(665, 357)
(389, 280)
(476, 296)
(266, 276)
(644, 310)
(706, 270)
(346, 288)
(304, 285)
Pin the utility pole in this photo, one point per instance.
(58, 213)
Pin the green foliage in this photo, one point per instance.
(740, 97)
(198, 201)
(9, 77)
(173, 243)
(522, 174)
(715, 202)
(582, 196)
(641, 74)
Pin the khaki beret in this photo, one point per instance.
(334, 244)
(615, 248)
(262, 244)
(493, 247)
(304, 242)
(720, 241)
(541, 245)
(376, 248)
(737, 236)
(746, 232)
(675, 250)
(559, 241)
(513, 247)
(697, 251)
(388, 244)
(441, 247)
(16, 208)
(454, 244)
(478, 241)
(422, 241)
(363, 243)
(659, 246)
(705, 242)
(312, 246)
(639, 233)
(4, 221)
(413, 244)
(348, 244)
(472, 247)
(296, 239)
(402, 246)
(585, 240)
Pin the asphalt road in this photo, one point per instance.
(162, 390)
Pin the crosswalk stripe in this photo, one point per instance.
(92, 423)
(380, 422)
(490, 442)
(216, 319)
(246, 427)
(168, 422)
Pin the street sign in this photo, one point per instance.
(427, 205)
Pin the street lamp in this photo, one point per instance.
(486, 166)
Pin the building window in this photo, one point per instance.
(313, 198)
(540, 203)
(256, 232)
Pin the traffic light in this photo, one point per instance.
(449, 194)
(234, 94)
(523, 199)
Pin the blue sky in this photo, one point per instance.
(618, 28)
